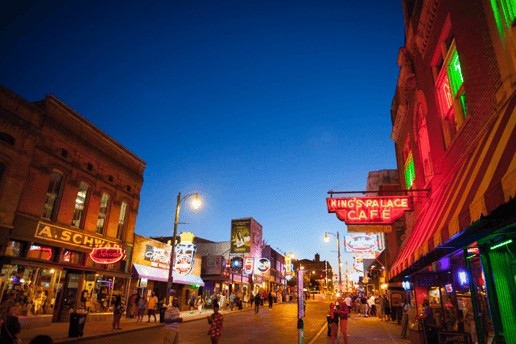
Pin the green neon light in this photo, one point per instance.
(509, 11)
(497, 17)
(472, 256)
(455, 74)
(410, 173)
(501, 244)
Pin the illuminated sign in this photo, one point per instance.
(249, 265)
(185, 251)
(110, 255)
(449, 288)
(463, 278)
(46, 252)
(369, 210)
(289, 268)
(159, 257)
(263, 265)
(69, 237)
(236, 264)
(361, 243)
(370, 229)
(406, 285)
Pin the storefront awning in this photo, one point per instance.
(481, 180)
(155, 274)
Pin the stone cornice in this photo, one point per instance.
(425, 25)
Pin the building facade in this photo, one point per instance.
(69, 197)
(453, 118)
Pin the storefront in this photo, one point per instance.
(151, 264)
(62, 271)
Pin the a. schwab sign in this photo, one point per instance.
(65, 236)
(369, 210)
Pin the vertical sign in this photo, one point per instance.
(300, 295)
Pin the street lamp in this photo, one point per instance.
(327, 239)
(195, 203)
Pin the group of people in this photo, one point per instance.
(372, 306)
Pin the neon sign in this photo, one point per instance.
(249, 265)
(263, 265)
(289, 268)
(185, 251)
(463, 278)
(369, 210)
(110, 255)
(362, 243)
(46, 252)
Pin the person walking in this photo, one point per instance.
(246, 300)
(135, 311)
(117, 313)
(363, 303)
(270, 300)
(348, 302)
(334, 323)
(172, 321)
(192, 303)
(216, 325)
(251, 299)
(200, 303)
(257, 303)
(232, 301)
(343, 312)
(404, 320)
(10, 333)
(142, 306)
(151, 307)
(386, 309)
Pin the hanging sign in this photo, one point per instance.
(249, 265)
(369, 210)
(263, 265)
(361, 243)
(370, 229)
(185, 251)
(289, 268)
(107, 255)
(236, 264)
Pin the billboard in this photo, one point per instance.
(214, 265)
(241, 236)
(362, 243)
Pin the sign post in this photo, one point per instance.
(300, 307)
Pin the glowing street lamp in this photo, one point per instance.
(196, 203)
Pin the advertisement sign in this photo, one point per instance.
(214, 265)
(256, 239)
(109, 255)
(66, 236)
(370, 229)
(300, 295)
(289, 268)
(369, 210)
(362, 243)
(159, 257)
(241, 236)
(185, 251)
(263, 265)
(236, 264)
(249, 265)
(366, 255)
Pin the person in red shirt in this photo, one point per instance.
(342, 310)
(216, 322)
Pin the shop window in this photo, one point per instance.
(80, 204)
(122, 221)
(40, 252)
(53, 195)
(103, 213)
(72, 257)
(14, 248)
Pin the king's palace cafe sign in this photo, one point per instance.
(381, 210)
(79, 239)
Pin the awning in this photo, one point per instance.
(482, 179)
(155, 274)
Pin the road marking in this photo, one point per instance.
(318, 333)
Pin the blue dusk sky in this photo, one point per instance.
(261, 107)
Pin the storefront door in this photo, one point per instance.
(70, 293)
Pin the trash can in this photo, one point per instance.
(162, 314)
(76, 328)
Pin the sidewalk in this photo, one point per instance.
(366, 330)
(98, 329)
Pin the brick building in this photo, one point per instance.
(66, 190)
(453, 118)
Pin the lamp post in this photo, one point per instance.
(327, 239)
(195, 203)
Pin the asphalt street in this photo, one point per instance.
(276, 325)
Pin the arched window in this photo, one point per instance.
(103, 213)
(80, 205)
(53, 196)
(7, 138)
(423, 142)
(122, 220)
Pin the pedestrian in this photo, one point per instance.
(334, 323)
(232, 301)
(348, 302)
(372, 306)
(257, 303)
(192, 303)
(270, 300)
(117, 313)
(135, 311)
(42, 339)
(404, 320)
(342, 310)
(200, 303)
(380, 306)
(387, 309)
(216, 325)
(214, 301)
(172, 321)
(251, 299)
(246, 300)
(10, 333)
(222, 301)
(141, 306)
(151, 307)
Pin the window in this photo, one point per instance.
(122, 221)
(53, 195)
(101, 221)
(72, 257)
(40, 252)
(80, 203)
(423, 142)
(110, 178)
(90, 167)
(504, 13)
(128, 188)
(14, 248)
(7, 138)
(410, 174)
(64, 153)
